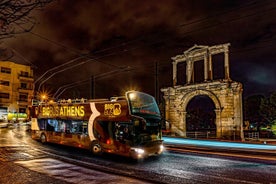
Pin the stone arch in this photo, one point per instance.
(188, 96)
(225, 93)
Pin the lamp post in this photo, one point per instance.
(43, 97)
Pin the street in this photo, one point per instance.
(50, 163)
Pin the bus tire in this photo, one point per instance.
(43, 138)
(96, 148)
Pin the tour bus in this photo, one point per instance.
(129, 125)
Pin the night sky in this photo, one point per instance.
(120, 42)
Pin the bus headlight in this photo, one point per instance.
(138, 150)
(161, 148)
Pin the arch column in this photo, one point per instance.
(210, 68)
(174, 73)
(226, 63)
(219, 123)
(189, 71)
(182, 123)
(167, 108)
(205, 67)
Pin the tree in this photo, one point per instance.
(268, 108)
(15, 16)
(252, 108)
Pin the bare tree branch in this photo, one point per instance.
(15, 16)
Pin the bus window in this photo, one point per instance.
(68, 126)
(84, 127)
(61, 126)
(77, 126)
(51, 125)
(41, 124)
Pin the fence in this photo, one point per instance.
(251, 135)
(201, 134)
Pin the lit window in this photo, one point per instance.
(24, 74)
(23, 97)
(5, 70)
(23, 85)
(4, 83)
(5, 95)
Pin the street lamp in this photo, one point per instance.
(43, 96)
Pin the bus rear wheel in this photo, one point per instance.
(96, 148)
(43, 138)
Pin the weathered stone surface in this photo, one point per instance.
(225, 93)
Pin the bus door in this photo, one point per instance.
(123, 136)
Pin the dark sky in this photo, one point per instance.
(124, 39)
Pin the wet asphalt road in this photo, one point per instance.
(21, 161)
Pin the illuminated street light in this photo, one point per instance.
(43, 95)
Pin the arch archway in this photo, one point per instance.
(200, 117)
(186, 97)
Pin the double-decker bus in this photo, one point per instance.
(127, 126)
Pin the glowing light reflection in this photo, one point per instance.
(171, 140)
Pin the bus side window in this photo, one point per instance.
(77, 127)
(49, 125)
(41, 124)
(84, 127)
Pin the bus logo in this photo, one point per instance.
(112, 109)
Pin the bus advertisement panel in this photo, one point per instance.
(127, 126)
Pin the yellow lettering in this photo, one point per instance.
(81, 111)
(112, 109)
(73, 111)
(63, 111)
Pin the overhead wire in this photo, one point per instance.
(213, 26)
(143, 36)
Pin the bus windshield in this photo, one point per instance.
(142, 104)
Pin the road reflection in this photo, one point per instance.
(222, 144)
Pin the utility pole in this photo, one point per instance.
(156, 93)
(92, 87)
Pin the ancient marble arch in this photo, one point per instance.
(225, 93)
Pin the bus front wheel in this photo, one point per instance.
(43, 138)
(96, 148)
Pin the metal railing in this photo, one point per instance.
(201, 134)
(252, 135)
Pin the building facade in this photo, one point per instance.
(16, 90)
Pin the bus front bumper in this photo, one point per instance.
(143, 152)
